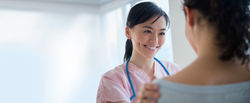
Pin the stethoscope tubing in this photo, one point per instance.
(130, 81)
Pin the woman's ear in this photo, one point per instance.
(128, 32)
(189, 16)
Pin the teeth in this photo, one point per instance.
(151, 47)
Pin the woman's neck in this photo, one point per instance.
(207, 50)
(146, 64)
(208, 69)
(210, 54)
(216, 71)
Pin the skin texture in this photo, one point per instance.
(148, 94)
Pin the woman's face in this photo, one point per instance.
(148, 37)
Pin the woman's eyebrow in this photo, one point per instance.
(163, 29)
(149, 27)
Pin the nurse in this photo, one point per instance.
(145, 32)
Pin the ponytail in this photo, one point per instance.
(128, 50)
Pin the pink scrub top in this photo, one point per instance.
(115, 87)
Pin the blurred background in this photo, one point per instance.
(55, 51)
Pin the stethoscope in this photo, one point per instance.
(130, 82)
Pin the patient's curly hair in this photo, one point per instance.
(231, 17)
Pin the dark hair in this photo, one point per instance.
(231, 18)
(138, 14)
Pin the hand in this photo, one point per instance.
(148, 94)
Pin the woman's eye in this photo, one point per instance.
(147, 31)
(162, 33)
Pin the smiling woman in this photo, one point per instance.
(145, 32)
(147, 37)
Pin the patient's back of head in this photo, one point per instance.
(230, 19)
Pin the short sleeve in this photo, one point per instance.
(112, 89)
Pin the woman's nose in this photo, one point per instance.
(154, 39)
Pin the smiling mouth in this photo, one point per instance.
(153, 48)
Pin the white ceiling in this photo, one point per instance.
(70, 6)
(84, 2)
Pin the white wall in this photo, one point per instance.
(183, 52)
(47, 57)
(57, 53)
